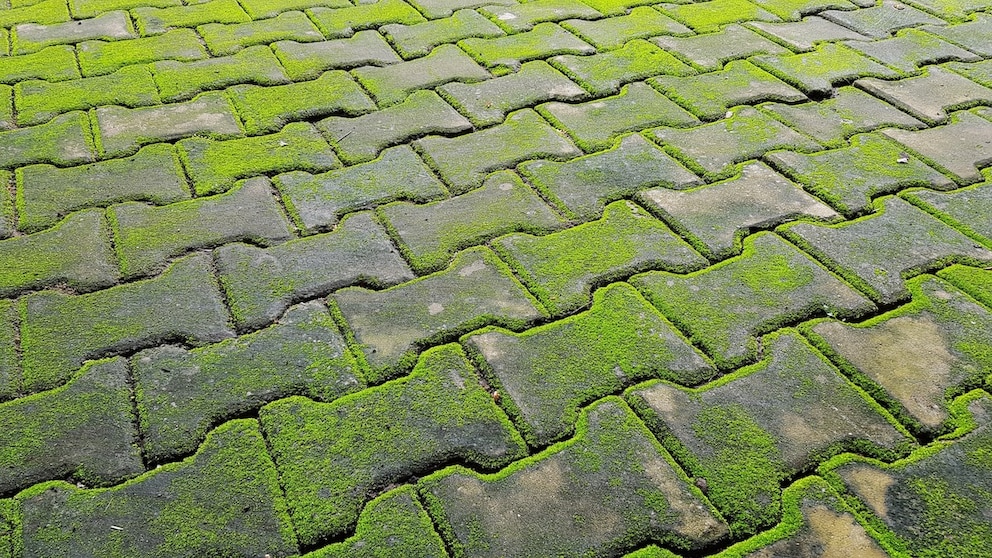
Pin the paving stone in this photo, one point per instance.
(361, 139)
(710, 149)
(8, 214)
(817, 72)
(967, 209)
(562, 269)
(710, 95)
(230, 483)
(48, 193)
(915, 358)
(83, 430)
(214, 166)
(181, 81)
(10, 374)
(123, 131)
(594, 125)
(717, 217)
(972, 280)
(522, 17)
(436, 9)
(89, 8)
(504, 54)
(395, 524)
(602, 74)
(305, 61)
(849, 178)
(522, 136)
(55, 63)
(933, 504)
(767, 422)
(794, 10)
(31, 37)
(614, 32)
(155, 21)
(60, 331)
(803, 36)
(905, 241)
(262, 9)
(391, 84)
(267, 109)
(616, 7)
(954, 10)
(7, 108)
(848, 112)
(943, 146)
(979, 72)
(918, 97)
(910, 49)
(882, 19)
(416, 40)
(46, 12)
(146, 237)
(707, 17)
(725, 307)
(333, 457)
(103, 57)
(223, 39)
(710, 51)
(476, 290)
(64, 140)
(39, 101)
(975, 35)
(343, 22)
(613, 476)
(316, 202)
(261, 283)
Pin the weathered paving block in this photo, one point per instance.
(230, 483)
(103, 57)
(343, 22)
(705, 17)
(911, 49)
(718, 216)
(83, 430)
(7, 108)
(489, 101)
(710, 149)
(10, 374)
(849, 178)
(725, 307)
(38, 102)
(60, 331)
(967, 209)
(391, 84)
(90, 8)
(155, 21)
(474, 291)
(435, 9)
(333, 457)
(613, 32)
(979, 72)
(262, 9)
(917, 357)
(180, 81)
(602, 74)
(146, 236)
(47, 193)
(394, 523)
(550, 372)
(595, 124)
(747, 433)
(267, 109)
(794, 10)
(803, 36)
(585, 185)
(563, 268)
(710, 51)
(8, 215)
(522, 17)
(613, 476)
(46, 12)
(304, 61)
(905, 241)
(214, 166)
(504, 54)
(182, 394)
(316, 202)
(975, 281)
(77, 252)
(123, 130)
(848, 112)
(419, 39)
(953, 11)
(361, 139)
(976, 35)
(816, 73)
(228, 38)
(943, 146)
(261, 283)
(915, 95)
(881, 20)
(111, 26)
(708, 96)
(523, 135)
(64, 140)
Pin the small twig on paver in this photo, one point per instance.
(348, 133)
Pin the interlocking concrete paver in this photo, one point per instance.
(803, 36)
(343, 22)
(960, 148)
(973, 35)
(103, 57)
(523, 17)
(502, 54)
(794, 10)
(38, 102)
(46, 12)
(954, 11)
(303, 61)
(966, 209)
(155, 21)
(180, 81)
(435, 9)
(817, 72)
(973, 280)
(333, 456)
(263, 9)
(228, 38)
(705, 18)
(10, 374)
(7, 108)
(89, 8)
(420, 39)
(883, 19)
(914, 96)
(613, 32)
(710, 51)
(55, 63)
(8, 216)
(70, 142)
(604, 73)
(979, 72)
(31, 37)
(911, 48)
(391, 84)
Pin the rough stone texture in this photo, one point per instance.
(602, 74)
(881, 20)
(973, 35)
(180, 81)
(308, 60)
(803, 36)
(507, 53)
(10, 374)
(391, 84)
(641, 23)
(155, 21)
(911, 49)
(435, 9)
(223, 39)
(31, 37)
(794, 10)
(916, 95)
(55, 63)
(710, 51)
(38, 102)
(705, 18)
(71, 144)
(817, 72)
(103, 57)
(966, 210)
(343, 22)
(262, 9)
(419, 39)
(523, 17)
(960, 148)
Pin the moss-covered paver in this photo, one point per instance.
(459, 278)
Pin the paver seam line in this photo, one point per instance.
(944, 217)
(953, 119)
(139, 434)
(925, 71)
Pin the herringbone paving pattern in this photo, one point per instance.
(495, 278)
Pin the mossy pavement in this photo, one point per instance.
(445, 278)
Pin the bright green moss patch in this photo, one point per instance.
(641, 23)
(10, 374)
(616, 7)
(39, 101)
(57, 63)
(8, 215)
(343, 22)
(975, 281)
(82, 9)
(46, 12)
(64, 140)
(223, 39)
(10, 523)
(103, 57)
(815, 73)
(703, 17)
(966, 209)
(261, 9)
(155, 21)
(603, 74)
(179, 81)
(503, 54)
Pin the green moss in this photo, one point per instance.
(46, 12)
(343, 22)
(82, 9)
(39, 101)
(605, 73)
(182, 81)
(223, 39)
(154, 21)
(616, 7)
(829, 64)
(975, 281)
(103, 57)
(709, 16)
(57, 63)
